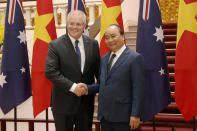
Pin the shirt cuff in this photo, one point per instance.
(73, 87)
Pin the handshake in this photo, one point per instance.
(81, 89)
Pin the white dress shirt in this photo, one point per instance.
(82, 51)
(81, 48)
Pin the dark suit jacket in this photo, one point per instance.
(121, 91)
(63, 69)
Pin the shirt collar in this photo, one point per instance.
(119, 52)
(73, 40)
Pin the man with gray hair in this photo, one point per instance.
(72, 59)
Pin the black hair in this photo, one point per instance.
(119, 28)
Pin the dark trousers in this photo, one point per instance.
(115, 126)
(78, 122)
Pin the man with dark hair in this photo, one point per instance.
(121, 85)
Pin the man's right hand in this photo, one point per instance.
(81, 89)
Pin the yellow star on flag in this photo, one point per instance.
(109, 17)
(187, 18)
(40, 31)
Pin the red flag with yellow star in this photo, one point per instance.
(111, 14)
(186, 59)
(44, 32)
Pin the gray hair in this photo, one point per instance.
(76, 12)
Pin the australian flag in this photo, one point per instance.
(15, 75)
(150, 43)
(78, 5)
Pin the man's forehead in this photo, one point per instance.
(111, 32)
(75, 19)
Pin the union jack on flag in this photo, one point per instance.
(11, 12)
(146, 9)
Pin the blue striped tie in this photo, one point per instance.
(78, 52)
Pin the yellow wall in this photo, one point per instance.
(2, 18)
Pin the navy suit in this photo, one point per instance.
(121, 90)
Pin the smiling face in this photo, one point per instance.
(113, 38)
(76, 24)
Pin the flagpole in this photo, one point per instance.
(194, 123)
(15, 119)
(47, 120)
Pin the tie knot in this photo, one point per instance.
(110, 62)
(113, 55)
(76, 43)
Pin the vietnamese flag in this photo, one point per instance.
(111, 14)
(44, 33)
(186, 59)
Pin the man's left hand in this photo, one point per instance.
(134, 122)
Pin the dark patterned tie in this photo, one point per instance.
(110, 62)
(78, 52)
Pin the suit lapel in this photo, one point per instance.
(71, 52)
(105, 62)
(120, 60)
(87, 48)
